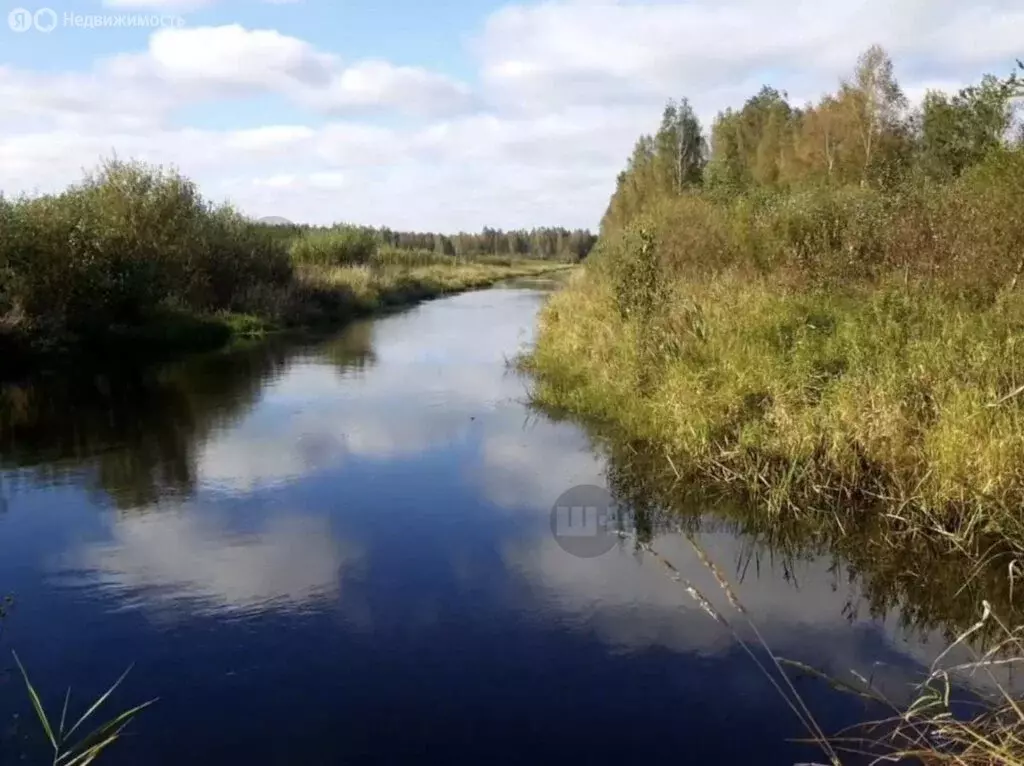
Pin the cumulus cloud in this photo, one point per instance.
(371, 83)
(556, 53)
(270, 138)
(561, 91)
(232, 56)
(140, 91)
(87, 102)
(225, 61)
(321, 181)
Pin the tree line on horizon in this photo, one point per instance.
(548, 243)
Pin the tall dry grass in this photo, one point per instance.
(862, 343)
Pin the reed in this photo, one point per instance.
(67, 750)
(925, 730)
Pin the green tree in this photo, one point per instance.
(754, 145)
(958, 132)
(634, 187)
(877, 107)
(679, 148)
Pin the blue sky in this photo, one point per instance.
(403, 31)
(437, 115)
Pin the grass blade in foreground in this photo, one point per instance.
(89, 748)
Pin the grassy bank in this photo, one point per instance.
(330, 294)
(810, 397)
(814, 342)
(134, 259)
(822, 313)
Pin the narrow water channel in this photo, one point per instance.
(341, 552)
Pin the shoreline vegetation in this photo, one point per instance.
(820, 309)
(134, 260)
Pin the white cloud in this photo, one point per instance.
(411, 89)
(234, 56)
(563, 89)
(86, 102)
(329, 181)
(550, 54)
(270, 138)
(192, 65)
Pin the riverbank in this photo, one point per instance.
(809, 399)
(820, 341)
(836, 340)
(133, 260)
(883, 417)
(319, 299)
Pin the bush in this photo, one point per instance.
(387, 257)
(127, 240)
(233, 257)
(966, 236)
(634, 271)
(339, 246)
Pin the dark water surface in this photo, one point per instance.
(340, 552)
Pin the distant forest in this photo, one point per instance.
(546, 243)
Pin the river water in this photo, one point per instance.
(341, 551)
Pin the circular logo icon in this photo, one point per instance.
(585, 521)
(45, 19)
(20, 20)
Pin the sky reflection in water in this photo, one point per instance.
(340, 551)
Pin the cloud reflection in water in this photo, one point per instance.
(193, 560)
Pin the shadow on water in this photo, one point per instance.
(932, 586)
(341, 551)
(134, 432)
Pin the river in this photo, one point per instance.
(341, 551)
